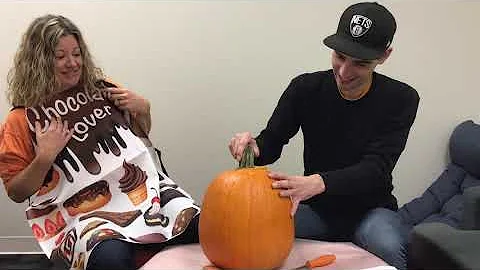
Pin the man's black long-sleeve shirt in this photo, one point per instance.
(353, 145)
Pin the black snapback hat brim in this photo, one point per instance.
(351, 48)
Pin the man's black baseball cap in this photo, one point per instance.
(365, 31)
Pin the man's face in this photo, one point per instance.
(352, 74)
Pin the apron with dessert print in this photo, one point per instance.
(106, 183)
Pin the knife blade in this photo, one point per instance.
(320, 261)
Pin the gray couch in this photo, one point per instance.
(454, 242)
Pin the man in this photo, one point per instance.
(355, 124)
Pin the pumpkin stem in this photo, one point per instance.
(248, 158)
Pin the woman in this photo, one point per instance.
(77, 148)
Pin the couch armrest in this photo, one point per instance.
(439, 246)
(471, 211)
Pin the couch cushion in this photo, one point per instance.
(465, 147)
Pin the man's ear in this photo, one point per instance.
(385, 55)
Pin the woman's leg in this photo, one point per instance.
(112, 254)
(144, 252)
(190, 235)
(383, 233)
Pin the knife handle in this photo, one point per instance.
(320, 261)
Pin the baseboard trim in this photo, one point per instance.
(21, 253)
(19, 245)
(15, 236)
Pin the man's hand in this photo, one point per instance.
(298, 188)
(239, 142)
(52, 138)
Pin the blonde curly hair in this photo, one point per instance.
(31, 80)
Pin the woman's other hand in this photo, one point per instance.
(52, 138)
(127, 100)
(137, 106)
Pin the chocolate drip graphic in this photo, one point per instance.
(95, 121)
(107, 143)
(64, 155)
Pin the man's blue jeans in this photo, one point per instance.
(381, 232)
(310, 224)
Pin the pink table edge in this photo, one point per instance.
(349, 256)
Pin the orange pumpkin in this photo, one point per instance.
(244, 223)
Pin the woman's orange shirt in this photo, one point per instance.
(16, 147)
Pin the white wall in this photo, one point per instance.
(211, 68)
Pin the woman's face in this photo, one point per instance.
(68, 62)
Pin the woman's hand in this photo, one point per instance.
(137, 106)
(298, 188)
(52, 138)
(130, 101)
